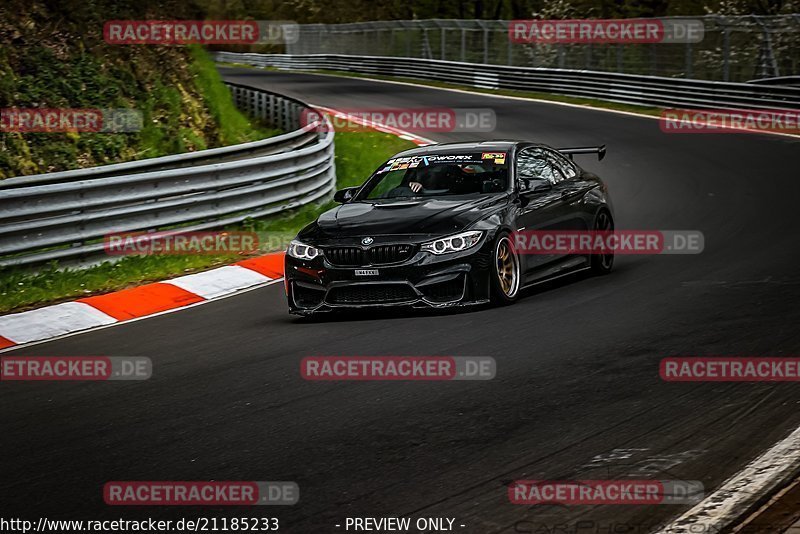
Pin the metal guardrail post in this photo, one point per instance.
(726, 54)
(653, 60)
(426, 45)
(485, 45)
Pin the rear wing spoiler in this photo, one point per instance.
(599, 150)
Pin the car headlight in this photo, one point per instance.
(301, 251)
(453, 243)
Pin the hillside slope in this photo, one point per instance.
(52, 55)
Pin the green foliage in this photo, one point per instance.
(233, 126)
(52, 55)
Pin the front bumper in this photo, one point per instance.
(425, 281)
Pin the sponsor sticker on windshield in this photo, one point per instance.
(498, 157)
(411, 162)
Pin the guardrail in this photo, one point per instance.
(65, 215)
(622, 88)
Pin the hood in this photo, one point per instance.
(423, 216)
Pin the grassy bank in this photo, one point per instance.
(357, 155)
(53, 56)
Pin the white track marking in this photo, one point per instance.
(737, 495)
(219, 282)
(402, 134)
(52, 321)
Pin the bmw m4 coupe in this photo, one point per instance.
(435, 227)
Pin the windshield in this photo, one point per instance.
(439, 175)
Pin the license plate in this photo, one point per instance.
(366, 272)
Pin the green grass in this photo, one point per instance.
(357, 155)
(234, 126)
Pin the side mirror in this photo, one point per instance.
(528, 185)
(345, 195)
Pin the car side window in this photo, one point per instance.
(564, 165)
(533, 164)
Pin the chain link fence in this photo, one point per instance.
(736, 49)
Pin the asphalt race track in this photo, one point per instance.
(577, 393)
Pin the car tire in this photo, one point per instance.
(505, 271)
(603, 263)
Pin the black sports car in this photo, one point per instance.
(434, 226)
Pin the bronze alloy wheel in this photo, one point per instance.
(603, 262)
(507, 267)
